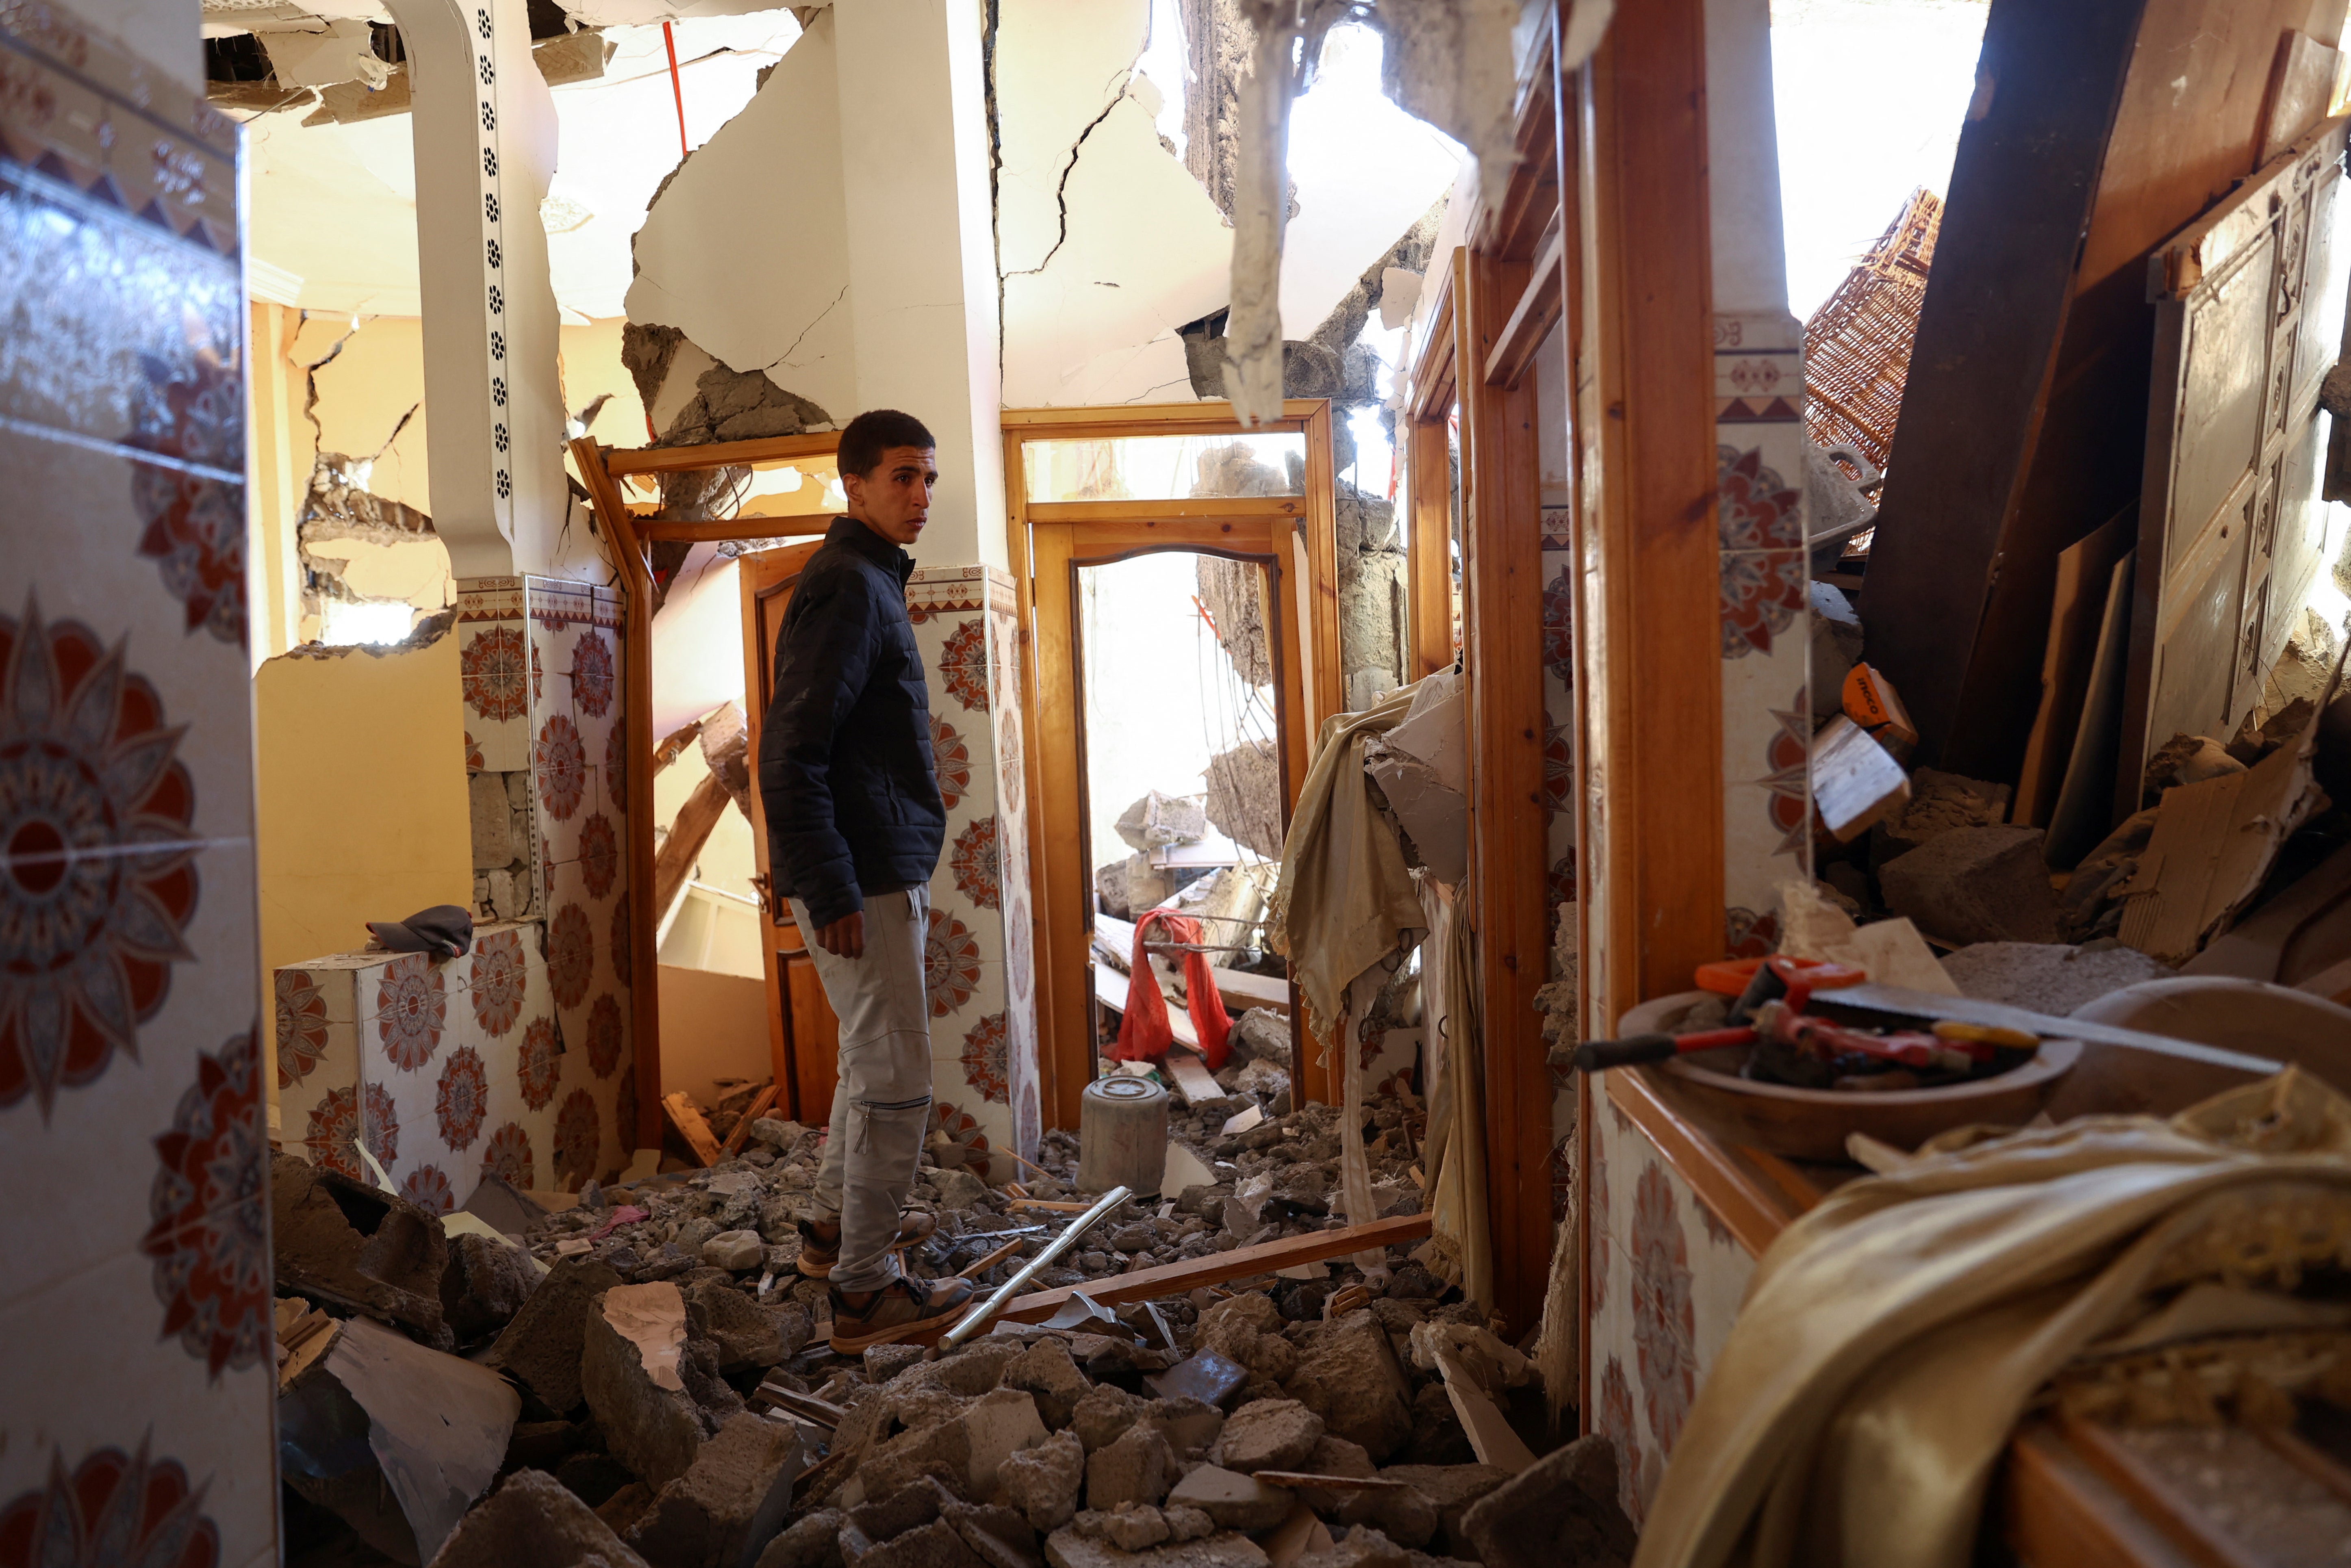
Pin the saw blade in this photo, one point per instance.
(1873, 1001)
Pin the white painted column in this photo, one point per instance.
(921, 251)
(486, 148)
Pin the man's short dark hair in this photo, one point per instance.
(873, 433)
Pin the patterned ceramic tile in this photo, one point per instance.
(1667, 1279)
(131, 1075)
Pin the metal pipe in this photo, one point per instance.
(977, 1319)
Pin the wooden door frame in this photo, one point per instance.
(799, 1098)
(1048, 540)
(601, 470)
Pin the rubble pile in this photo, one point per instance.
(643, 1377)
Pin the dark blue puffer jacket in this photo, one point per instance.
(845, 769)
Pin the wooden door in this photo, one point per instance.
(802, 1033)
(2231, 523)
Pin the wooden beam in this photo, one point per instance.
(687, 834)
(1539, 308)
(766, 451)
(675, 742)
(1220, 1268)
(739, 528)
(1433, 373)
(1652, 572)
(1254, 509)
(1429, 543)
(1510, 822)
(752, 1112)
(1210, 416)
(692, 1126)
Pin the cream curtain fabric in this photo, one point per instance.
(1454, 1155)
(1892, 1337)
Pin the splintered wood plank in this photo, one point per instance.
(742, 1129)
(687, 1118)
(1217, 1268)
(1492, 1437)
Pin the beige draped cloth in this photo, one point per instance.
(1454, 1155)
(1345, 900)
(1892, 1337)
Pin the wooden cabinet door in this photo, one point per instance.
(2230, 517)
(803, 1036)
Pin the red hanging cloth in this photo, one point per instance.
(1143, 1033)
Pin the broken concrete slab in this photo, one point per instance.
(1856, 780)
(1561, 1508)
(1433, 814)
(997, 1535)
(2047, 977)
(534, 1522)
(540, 1348)
(1043, 1481)
(729, 1503)
(436, 1425)
(1939, 802)
(486, 1282)
(1136, 1468)
(632, 1345)
(812, 1541)
(1156, 822)
(1047, 1373)
(1348, 1375)
(934, 1545)
(1066, 1548)
(1975, 885)
(1269, 1435)
(735, 1250)
(356, 1246)
(1236, 1501)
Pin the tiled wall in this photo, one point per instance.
(1759, 439)
(518, 1059)
(1665, 1278)
(980, 962)
(137, 1406)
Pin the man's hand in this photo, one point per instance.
(845, 937)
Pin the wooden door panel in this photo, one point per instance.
(2230, 523)
(803, 1035)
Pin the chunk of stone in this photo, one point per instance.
(1453, 1489)
(933, 1545)
(1269, 1435)
(812, 1541)
(1561, 1508)
(1067, 1548)
(1362, 1547)
(1132, 1529)
(729, 1503)
(884, 1362)
(533, 1521)
(1157, 820)
(1348, 1375)
(1406, 1517)
(1134, 1470)
(1105, 1412)
(745, 1335)
(486, 1282)
(1188, 1425)
(1046, 1370)
(1233, 1501)
(1975, 885)
(1204, 1376)
(631, 1347)
(358, 1246)
(734, 1250)
(996, 1427)
(2047, 977)
(902, 1508)
(1940, 803)
(1188, 1523)
(1042, 1483)
(998, 1536)
(958, 1189)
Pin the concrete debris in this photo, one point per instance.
(2187, 759)
(1975, 885)
(1562, 1508)
(729, 1503)
(1839, 502)
(679, 1390)
(1235, 594)
(1245, 797)
(533, 1520)
(1939, 803)
(356, 1246)
(1856, 780)
(1156, 822)
(2049, 977)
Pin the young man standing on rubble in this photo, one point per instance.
(854, 828)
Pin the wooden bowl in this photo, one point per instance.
(1813, 1123)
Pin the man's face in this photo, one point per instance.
(894, 500)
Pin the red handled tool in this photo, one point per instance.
(1779, 978)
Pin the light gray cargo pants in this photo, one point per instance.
(882, 1106)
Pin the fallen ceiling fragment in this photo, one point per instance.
(745, 248)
